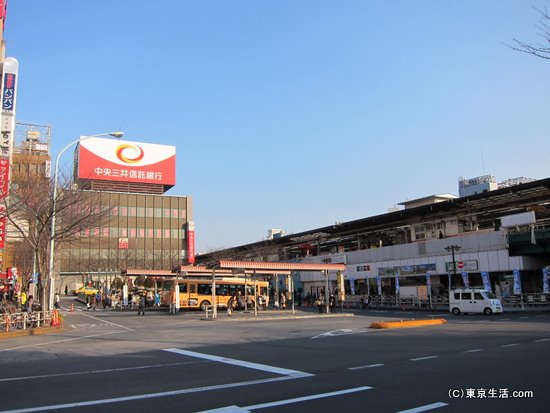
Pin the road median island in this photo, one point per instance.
(407, 323)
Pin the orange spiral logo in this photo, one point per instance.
(134, 148)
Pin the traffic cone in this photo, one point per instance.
(55, 318)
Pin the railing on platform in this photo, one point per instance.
(441, 302)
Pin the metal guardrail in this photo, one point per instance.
(23, 320)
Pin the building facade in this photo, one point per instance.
(434, 244)
(137, 231)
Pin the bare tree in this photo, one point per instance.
(541, 50)
(29, 210)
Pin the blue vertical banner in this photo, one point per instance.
(396, 285)
(517, 283)
(428, 284)
(466, 279)
(486, 281)
(379, 284)
(545, 274)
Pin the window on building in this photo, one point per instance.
(420, 232)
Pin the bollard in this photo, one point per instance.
(72, 308)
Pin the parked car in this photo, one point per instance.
(86, 290)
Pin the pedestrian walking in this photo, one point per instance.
(141, 306)
(93, 302)
(332, 303)
(320, 302)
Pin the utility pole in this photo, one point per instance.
(452, 249)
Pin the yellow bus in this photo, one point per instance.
(196, 293)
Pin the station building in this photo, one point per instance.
(497, 238)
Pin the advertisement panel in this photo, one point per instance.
(124, 161)
(3, 222)
(10, 68)
(4, 177)
(191, 242)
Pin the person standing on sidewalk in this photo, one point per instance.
(141, 306)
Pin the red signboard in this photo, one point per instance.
(190, 242)
(123, 243)
(4, 177)
(123, 161)
(3, 221)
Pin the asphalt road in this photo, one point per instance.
(118, 361)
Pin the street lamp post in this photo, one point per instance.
(452, 249)
(117, 135)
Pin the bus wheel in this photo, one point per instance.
(205, 305)
(456, 311)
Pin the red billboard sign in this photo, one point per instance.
(190, 242)
(123, 161)
(4, 177)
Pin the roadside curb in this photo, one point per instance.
(407, 323)
(37, 331)
(276, 318)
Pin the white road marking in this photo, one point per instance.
(146, 396)
(76, 373)
(306, 398)
(424, 358)
(424, 408)
(475, 350)
(63, 341)
(241, 363)
(235, 409)
(510, 345)
(368, 366)
(541, 340)
(102, 320)
(334, 333)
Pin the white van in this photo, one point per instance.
(473, 300)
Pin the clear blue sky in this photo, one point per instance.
(293, 114)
